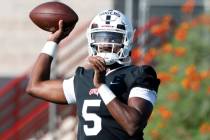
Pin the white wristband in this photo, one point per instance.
(106, 94)
(50, 48)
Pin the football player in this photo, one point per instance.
(114, 98)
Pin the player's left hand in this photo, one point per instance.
(99, 67)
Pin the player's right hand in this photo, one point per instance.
(99, 67)
(60, 34)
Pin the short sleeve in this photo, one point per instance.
(149, 95)
(146, 78)
(68, 89)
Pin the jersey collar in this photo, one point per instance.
(112, 70)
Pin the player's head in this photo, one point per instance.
(110, 36)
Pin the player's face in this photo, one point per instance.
(109, 42)
(109, 48)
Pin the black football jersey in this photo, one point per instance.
(95, 121)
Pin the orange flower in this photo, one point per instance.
(165, 113)
(161, 125)
(194, 23)
(167, 19)
(192, 74)
(150, 55)
(204, 75)
(190, 70)
(180, 51)
(186, 83)
(195, 86)
(205, 128)
(158, 30)
(136, 54)
(208, 90)
(174, 69)
(209, 73)
(180, 34)
(167, 48)
(164, 77)
(188, 6)
(204, 19)
(155, 134)
(153, 52)
(162, 28)
(185, 26)
(174, 96)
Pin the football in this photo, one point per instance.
(47, 15)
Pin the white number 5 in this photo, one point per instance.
(91, 117)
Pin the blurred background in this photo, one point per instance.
(173, 36)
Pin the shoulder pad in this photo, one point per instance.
(82, 72)
(145, 76)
